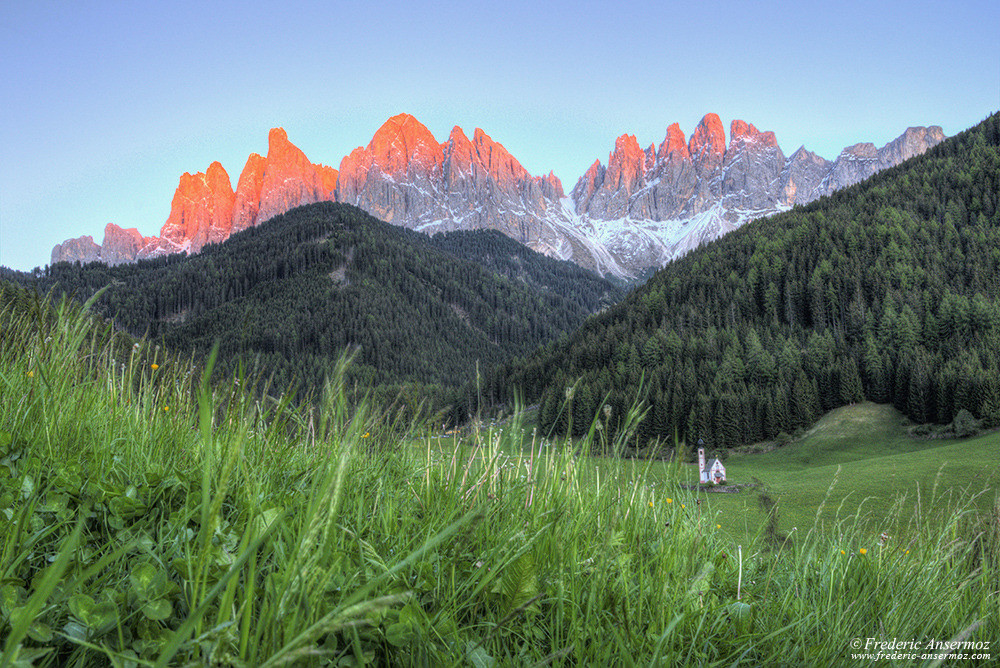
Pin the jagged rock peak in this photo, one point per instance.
(709, 138)
(802, 177)
(459, 149)
(913, 142)
(498, 159)
(699, 187)
(281, 152)
(201, 211)
(626, 164)
(401, 140)
(484, 157)
(248, 190)
(205, 209)
(124, 245)
(863, 150)
(554, 184)
(742, 132)
(587, 185)
(290, 180)
(81, 249)
(674, 144)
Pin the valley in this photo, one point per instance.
(271, 410)
(500, 334)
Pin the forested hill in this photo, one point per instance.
(888, 291)
(297, 291)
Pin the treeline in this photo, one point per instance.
(289, 297)
(886, 291)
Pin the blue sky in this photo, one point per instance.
(106, 104)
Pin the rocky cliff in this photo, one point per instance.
(644, 208)
(200, 213)
(205, 209)
(406, 177)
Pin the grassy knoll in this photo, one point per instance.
(148, 517)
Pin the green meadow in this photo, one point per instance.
(859, 460)
(153, 514)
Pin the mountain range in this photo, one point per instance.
(642, 209)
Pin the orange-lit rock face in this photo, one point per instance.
(554, 186)
(290, 180)
(248, 190)
(484, 160)
(709, 139)
(463, 161)
(201, 211)
(404, 176)
(682, 178)
(587, 185)
(402, 150)
(741, 131)
(653, 184)
(206, 210)
(328, 182)
(768, 139)
(606, 193)
(626, 165)
(503, 167)
(674, 146)
(403, 143)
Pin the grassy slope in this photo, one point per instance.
(143, 520)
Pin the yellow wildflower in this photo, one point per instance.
(863, 551)
(31, 374)
(718, 526)
(843, 551)
(683, 506)
(154, 367)
(670, 500)
(650, 504)
(166, 409)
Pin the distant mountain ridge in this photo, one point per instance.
(643, 209)
(648, 207)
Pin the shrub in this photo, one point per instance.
(965, 424)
